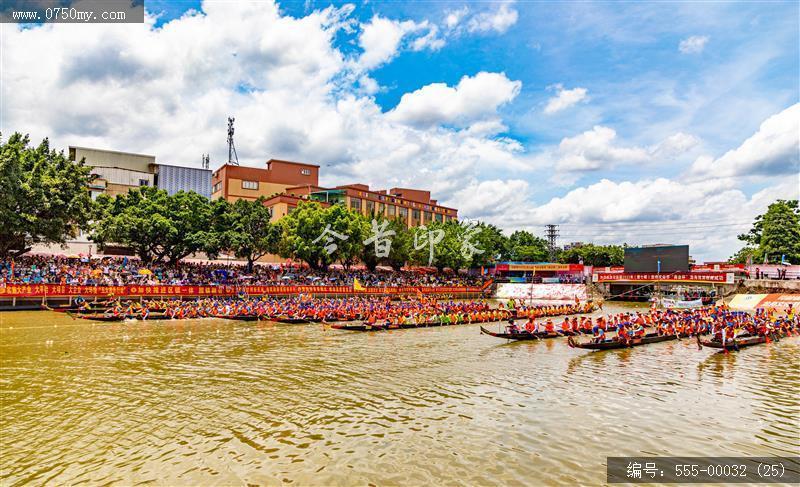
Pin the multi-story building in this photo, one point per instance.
(119, 172)
(284, 184)
(415, 207)
(239, 182)
(179, 178)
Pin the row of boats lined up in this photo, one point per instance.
(354, 314)
(723, 329)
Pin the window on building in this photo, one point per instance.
(381, 208)
(403, 212)
(439, 217)
(370, 207)
(391, 210)
(144, 182)
(415, 214)
(217, 187)
(305, 172)
(249, 184)
(355, 204)
(428, 217)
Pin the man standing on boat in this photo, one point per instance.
(599, 333)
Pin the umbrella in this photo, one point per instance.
(145, 272)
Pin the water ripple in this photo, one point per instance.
(215, 402)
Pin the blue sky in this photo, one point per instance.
(620, 121)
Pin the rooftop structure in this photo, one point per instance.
(284, 184)
(239, 182)
(359, 197)
(118, 172)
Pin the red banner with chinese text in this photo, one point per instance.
(704, 277)
(57, 290)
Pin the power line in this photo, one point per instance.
(659, 225)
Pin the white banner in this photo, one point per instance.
(559, 292)
(676, 303)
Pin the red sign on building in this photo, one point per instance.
(698, 277)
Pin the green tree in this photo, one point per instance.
(774, 235)
(490, 240)
(744, 255)
(250, 233)
(524, 246)
(188, 214)
(447, 251)
(400, 238)
(594, 255)
(780, 234)
(402, 244)
(300, 229)
(157, 226)
(44, 197)
(217, 237)
(352, 225)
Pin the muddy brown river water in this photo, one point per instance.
(216, 402)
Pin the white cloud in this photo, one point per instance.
(653, 211)
(168, 92)
(380, 40)
(368, 85)
(493, 198)
(675, 145)
(772, 150)
(693, 44)
(499, 20)
(564, 99)
(454, 17)
(645, 200)
(472, 99)
(597, 149)
(430, 41)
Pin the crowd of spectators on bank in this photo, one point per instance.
(117, 271)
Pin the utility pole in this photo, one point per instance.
(551, 232)
(233, 159)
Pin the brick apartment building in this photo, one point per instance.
(284, 184)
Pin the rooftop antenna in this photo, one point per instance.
(205, 161)
(233, 159)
